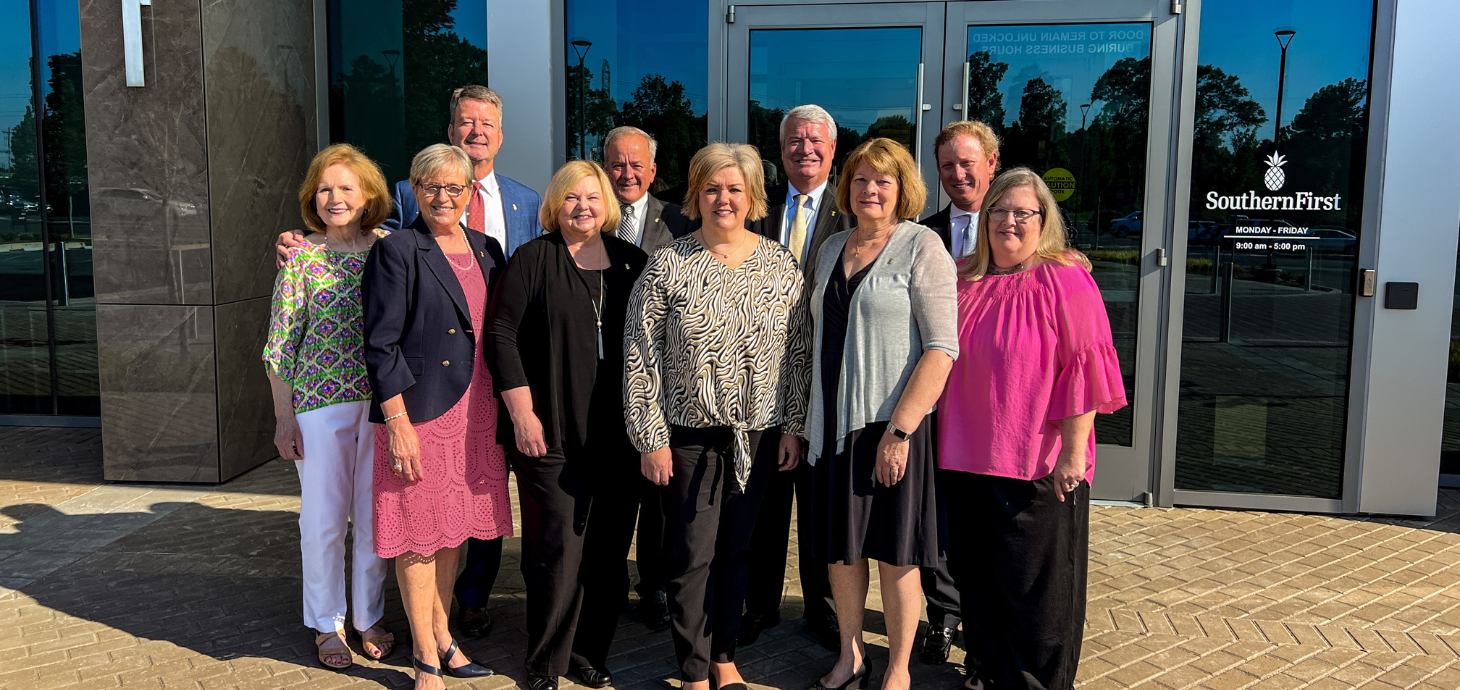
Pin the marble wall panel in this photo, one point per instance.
(259, 71)
(245, 410)
(147, 157)
(159, 411)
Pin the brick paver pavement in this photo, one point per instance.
(106, 586)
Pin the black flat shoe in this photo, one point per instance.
(536, 682)
(858, 681)
(595, 678)
(475, 622)
(753, 624)
(937, 645)
(466, 670)
(654, 611)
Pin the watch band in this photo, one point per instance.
(899, 433)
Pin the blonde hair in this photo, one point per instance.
(564, 180)
(987, 140)
(473, 92)
(438, 159)
(372, 185)
(1053, 242)
(716, 157)
(889, 158)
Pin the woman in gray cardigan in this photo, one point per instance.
(886, 314)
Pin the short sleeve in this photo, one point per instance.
(288, 317)
(1088, 375)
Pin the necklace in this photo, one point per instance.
(857, 250)
(995, 270)
(597, 306)
(471, 260)
(726, 256)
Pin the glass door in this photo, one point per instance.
(873, 67)
(1083, 94)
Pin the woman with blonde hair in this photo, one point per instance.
(440, 476)
(715, 380)
(1016, 442)
(316, 369)
(557, 338)
(885, 316)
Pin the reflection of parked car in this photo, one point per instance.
(1202, 232)
(17, 206)
(1333, 240)
(1127, 226)
(132, 202)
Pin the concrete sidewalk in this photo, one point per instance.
(166, 587)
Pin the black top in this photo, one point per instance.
(942, 223)
(416, 318)
(835, 306)
(544, 336)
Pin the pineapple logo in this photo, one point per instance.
(1274, 178)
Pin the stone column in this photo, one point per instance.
(192, 176)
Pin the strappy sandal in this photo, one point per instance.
(343, 650)
(470, 669)
(423, 667)
(369, 643)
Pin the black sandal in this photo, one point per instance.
(470, 669)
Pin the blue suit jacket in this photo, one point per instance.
(519, 209)
(419, 341)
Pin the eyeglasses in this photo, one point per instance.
(1021, 216)
(452, 190)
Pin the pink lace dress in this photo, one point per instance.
(464, 493)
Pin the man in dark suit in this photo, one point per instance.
(968, 156)
(628, 157)
(802, 214)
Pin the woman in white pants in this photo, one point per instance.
(316, 365)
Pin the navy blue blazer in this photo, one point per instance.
(417, 321)
(519, 209)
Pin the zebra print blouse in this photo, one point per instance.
(706, 345)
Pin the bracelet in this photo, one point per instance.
(398, 414)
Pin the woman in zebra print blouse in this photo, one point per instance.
(716, 375)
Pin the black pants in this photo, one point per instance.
(577, 516)
(938, 587)
(649, 543)
(483, 560)
(771, 541)
(707, 530)
(1020, 558)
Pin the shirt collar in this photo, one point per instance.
(489, 184)
(640, 206)
(815, 195)
(955, 212)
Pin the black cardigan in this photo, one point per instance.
(543, 336)
(416, 320)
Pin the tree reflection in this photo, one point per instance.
(657, 106)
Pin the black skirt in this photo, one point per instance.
(858, 517)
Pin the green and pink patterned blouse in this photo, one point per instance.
(316, 330)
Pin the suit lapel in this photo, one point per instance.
(436, 262)
(776, 213)
(656, 231)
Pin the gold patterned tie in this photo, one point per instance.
(797, 241)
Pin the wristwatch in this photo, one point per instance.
(899, 433)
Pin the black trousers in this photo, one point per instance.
(771, 542)
(707, 529)
(1020, 558)
(577, 516)
(483, 560)
(649, 543)
(938, 587)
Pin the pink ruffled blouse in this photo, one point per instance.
(1036, 349)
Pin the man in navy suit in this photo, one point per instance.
(505, 210)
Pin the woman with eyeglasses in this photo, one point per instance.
(440, 475)
(1016, 440)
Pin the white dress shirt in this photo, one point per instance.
(491, 199)
(960, 220)
(641, 208)
(789, 217)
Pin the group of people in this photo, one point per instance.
(924, 392)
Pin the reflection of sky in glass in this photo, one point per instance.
(795, 66)
(60, 29)
(14, 65)
(643, 37)
(1331, 45)
(471, 21)
(1069, 57)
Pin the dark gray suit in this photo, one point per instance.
(664, 224)
(773, 528)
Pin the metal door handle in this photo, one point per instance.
(132, 41)
(918, 121)
(1161, 256)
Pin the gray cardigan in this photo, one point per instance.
(908, 303)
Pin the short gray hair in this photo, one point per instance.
(620, 132)
(473, 92)
(810, 113)
(439, 159)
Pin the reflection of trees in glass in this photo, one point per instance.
(371, 95)
(1325, 139)
(1224, 150)
(64, 128)
(765, 135)
(1116, 146)
(657, 106)
(437, 62)
(1033, 138)
(597, 108)
(985, 101)
(24, 173)
(894, 127)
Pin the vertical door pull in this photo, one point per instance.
(132, 41)
(918, 121)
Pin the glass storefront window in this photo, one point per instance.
(1277, 191)
(385, 54)
(643, 63)
(47, 304)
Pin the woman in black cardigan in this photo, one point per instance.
(558, 352)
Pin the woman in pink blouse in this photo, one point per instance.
(1015, 429)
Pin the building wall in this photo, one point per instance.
(193, 176)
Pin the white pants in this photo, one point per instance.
(335, 489)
